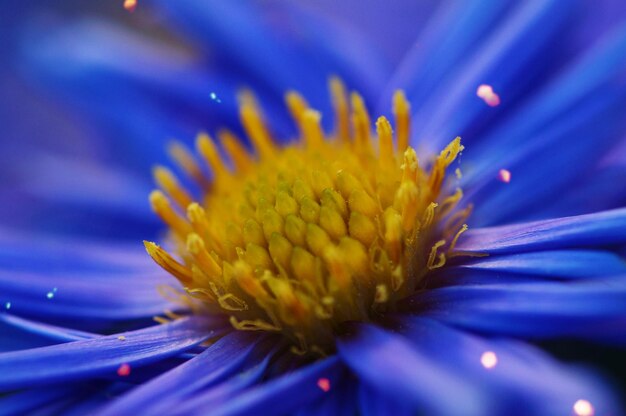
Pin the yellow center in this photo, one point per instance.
(308, 235)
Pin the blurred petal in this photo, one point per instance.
(606, 228)
(284, 394)
(592, 309)
(101, 356)
(173, 388)
(508, 374)
(565, 264)
(391, 365)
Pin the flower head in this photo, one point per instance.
(309, 272)
(312, 234)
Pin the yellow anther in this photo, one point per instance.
(332, 199)
(166, 180)
(360, 122)
(321, 181)
(163, 259)
(393, 233)
(285, 204)
(332, 222)
(235, 150)
(312, 129)
(355, 255)
(295, 230)
(317, 239)
(161, 205)
(444, 160)
(342, 112)
(362, 228)
(258, 257)
(207, 264)
(244, 276)
(253, 232)
(280, 250)
(303, 264)
(401, 111)
(410, 166)
(407, 197)
(183, 157)
(207, 149)
(347, 183)
(385, 139)
(309, 210)
(362, 203)
(302, 189)
(297, 105)
(255, 127)
(335, 262)
(272, 223)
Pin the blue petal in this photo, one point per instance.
(600, 229)
(286, 393)
(33, 334)
(172, 389)
(550, 134)
(372, 403)
(524, 379)
(591, 309)
(32, 400)
(204, 402)
(392, 366)
(340, 400)
(503, 59)
(567, 264)
(101, 356)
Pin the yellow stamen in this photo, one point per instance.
(342, 112)
(303, 237)
(401, 109)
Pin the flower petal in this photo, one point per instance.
(285, 393)
(591, 309)
(173, 388)
(566, 264)
(100, 356)
(598, 229)
(512, 377)
(391, 365)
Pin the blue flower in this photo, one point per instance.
(537, 90)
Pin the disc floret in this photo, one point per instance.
(302, 237)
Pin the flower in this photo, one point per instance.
(530, 268)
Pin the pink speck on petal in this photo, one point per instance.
(123, 370)
(485, 92)
(130, 5)
(504, 176)
(324, 384)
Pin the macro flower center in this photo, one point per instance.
(301, 237)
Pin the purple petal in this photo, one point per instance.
(391, 365)
(598, 229)
(101, 356)
(512, 377)
(173, 388)
(286, 393)
(592, 309)
(566, 264)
